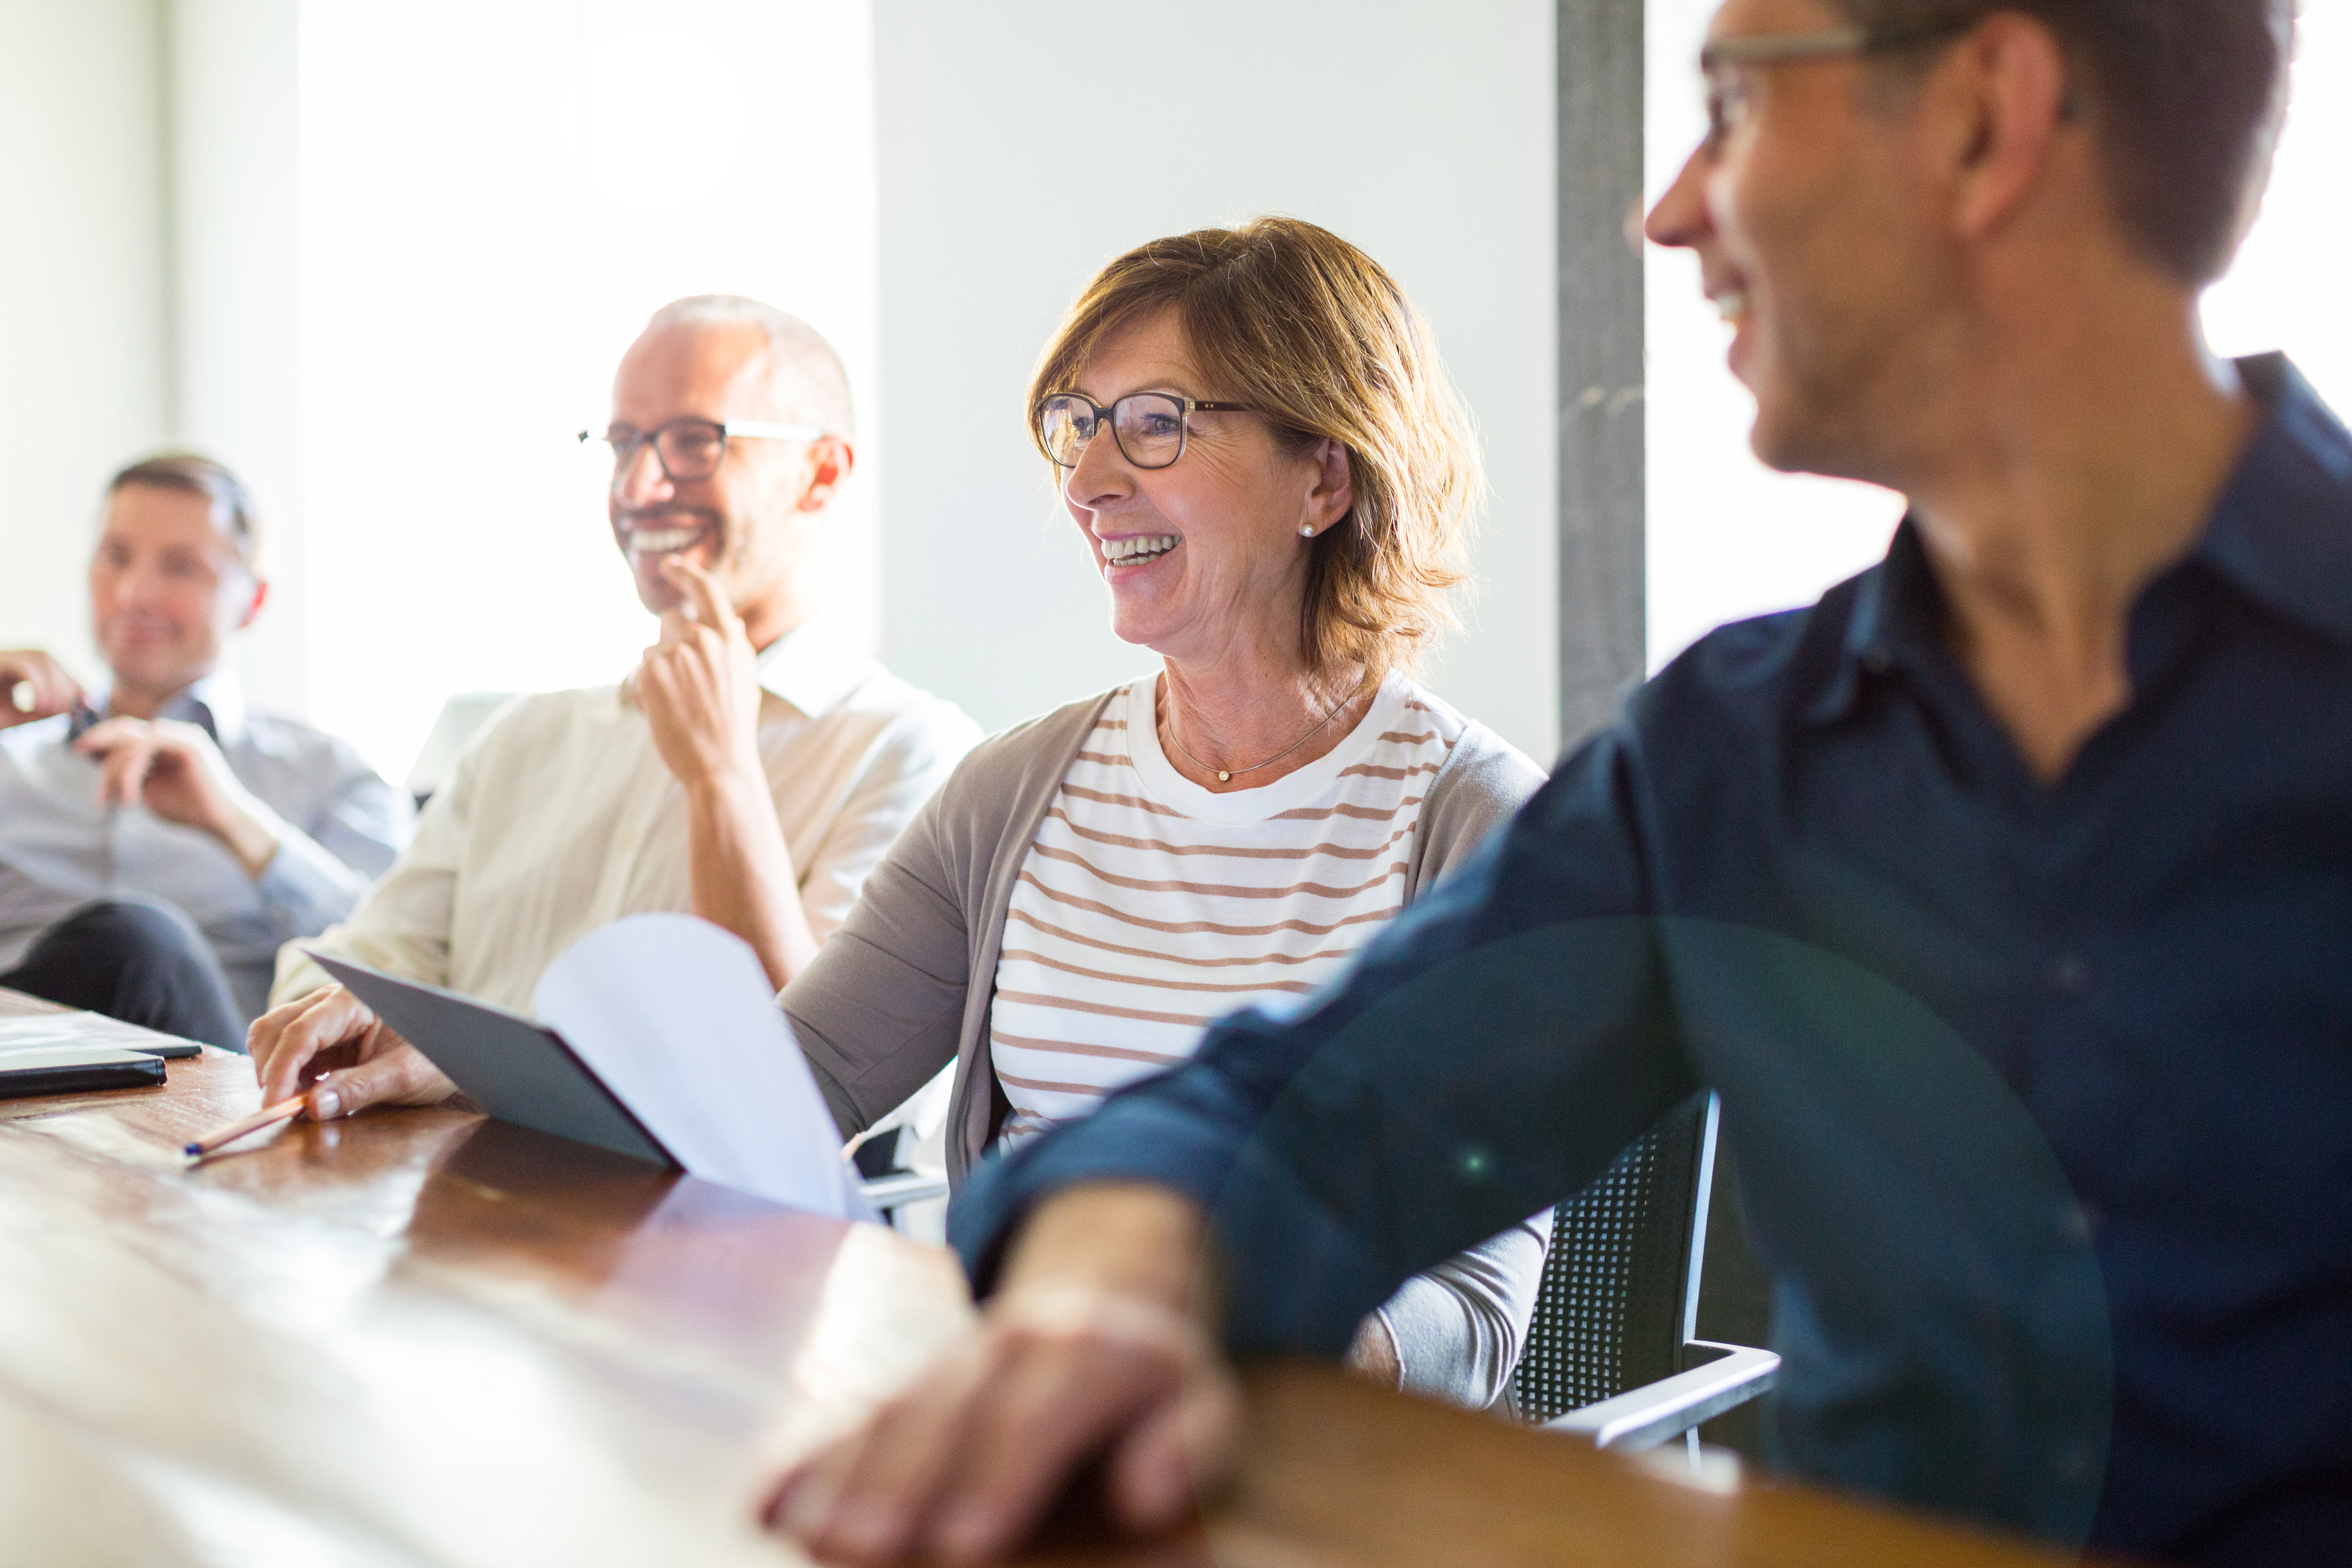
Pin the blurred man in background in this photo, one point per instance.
(157, 843)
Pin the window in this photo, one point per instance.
(494, 199)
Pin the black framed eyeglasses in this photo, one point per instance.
(1727, 100)
(690, 449)
(1149, 426)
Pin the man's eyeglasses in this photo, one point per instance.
(1149, 426)
(692, 450)
(1726, 97)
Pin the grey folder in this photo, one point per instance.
(510, 1066)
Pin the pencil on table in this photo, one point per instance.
(236, 1129)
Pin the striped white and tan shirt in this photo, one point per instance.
(1149, 906)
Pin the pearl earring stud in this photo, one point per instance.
(1306, 531)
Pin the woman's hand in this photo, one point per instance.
(389, 1070)
(174, 771)
(1091, 1349)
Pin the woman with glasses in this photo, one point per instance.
(1260, 449)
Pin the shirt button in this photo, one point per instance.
(2077, 1464)
(1878, 661)
(2069, 975)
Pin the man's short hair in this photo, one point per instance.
(2185, 95)
(192, 473)
(804, 372)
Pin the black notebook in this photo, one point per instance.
(75, 1069)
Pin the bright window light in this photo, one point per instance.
(2286, 289)
(494, 199)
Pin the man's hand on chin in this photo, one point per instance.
(387, 1069)
(1094, 1346)
(698, 687)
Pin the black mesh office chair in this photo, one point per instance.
(1613, 1352)
(889, 1186)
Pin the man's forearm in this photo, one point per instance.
(247, 838)
(742, 873)
(1125, 1239)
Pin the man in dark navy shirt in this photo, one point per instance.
(2005, 895)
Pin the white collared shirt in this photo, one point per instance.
(560, 817)
(336, 823)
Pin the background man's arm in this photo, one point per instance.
(325, 865)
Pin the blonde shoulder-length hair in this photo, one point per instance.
(1304, 327)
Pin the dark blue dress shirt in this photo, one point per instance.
(2042, 1094)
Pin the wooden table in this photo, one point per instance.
(424, 1338)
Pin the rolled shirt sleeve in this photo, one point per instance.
(1459, 1327)
(319, 874)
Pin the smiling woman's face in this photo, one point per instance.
(1204, 558)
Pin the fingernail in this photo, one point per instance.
(326, 1104)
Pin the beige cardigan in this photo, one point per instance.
(904, 986)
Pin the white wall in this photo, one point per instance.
(84, 336)
(494, 199)
(1422, 132)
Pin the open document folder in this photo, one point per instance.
(659, 1037)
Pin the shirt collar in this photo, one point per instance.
(1896, 608)
(813, 668)
(215, 702)
(2281, 533)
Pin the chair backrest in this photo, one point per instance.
(461, 718)
(1619, 1295)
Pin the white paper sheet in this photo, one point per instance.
(676, 1017)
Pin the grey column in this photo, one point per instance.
(1602, 624)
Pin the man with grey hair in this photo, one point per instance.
(751, 771)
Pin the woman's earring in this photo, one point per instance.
(1306, 531)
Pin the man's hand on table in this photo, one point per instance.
(388, 1070)
(1093, 1346)
(174, 771)
(34, 686)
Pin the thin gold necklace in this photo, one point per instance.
(1225, 776)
